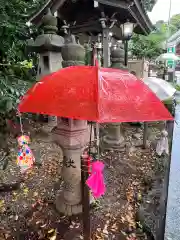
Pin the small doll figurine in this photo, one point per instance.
(25, 157)
(163, 145)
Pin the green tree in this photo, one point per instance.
(149, 47)
(175, 22)
(13, 30)
(15, 63)
(149, 4)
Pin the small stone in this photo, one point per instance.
(137, 136)
(132, 149)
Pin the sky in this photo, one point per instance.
(161, 10)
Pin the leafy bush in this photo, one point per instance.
(13, 85)
(11, 91)
(15, 80)
(177, 87)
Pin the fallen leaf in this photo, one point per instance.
(44, 225)
(51, 231)
(25, 190)
(1, 203)
(53, 237)
(35, 194)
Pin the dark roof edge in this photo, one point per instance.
(144, 15)
(53, 4)
(33, 18)
(146, 26)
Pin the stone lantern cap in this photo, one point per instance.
(46, 42)
(49, 40)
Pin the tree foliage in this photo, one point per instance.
(175, 22)
(16, 67)
(149, 4)
(13, 30)
(151, 46)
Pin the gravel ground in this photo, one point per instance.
(29, 212)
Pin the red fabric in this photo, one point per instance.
(94, 94)
(89, 160)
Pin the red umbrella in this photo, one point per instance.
(94, 94)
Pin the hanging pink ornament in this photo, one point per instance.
(96, 181)
(25, 158)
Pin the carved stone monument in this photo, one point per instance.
(48, 46)
(72, 135)
(114, 138)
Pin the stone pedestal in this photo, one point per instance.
(52, 122)
(72, 136)
(114, 139)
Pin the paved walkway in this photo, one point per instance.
(173, 207)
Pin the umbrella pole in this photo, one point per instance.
(86, 194)
(85, 201)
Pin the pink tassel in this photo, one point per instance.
(96, 181)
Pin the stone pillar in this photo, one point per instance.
(48, 46)
(106, 49)
(72, 135)
(114, 138)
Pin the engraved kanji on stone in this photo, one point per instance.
(68, 162)
(68, 187)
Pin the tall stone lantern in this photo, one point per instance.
(48, 46)
(114, 139)
(72, 135)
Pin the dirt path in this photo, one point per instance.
(29, 212)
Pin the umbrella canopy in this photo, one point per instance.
(167, 56)
(160, 87)
(94, 94)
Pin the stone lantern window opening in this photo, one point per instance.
(46, 62)
(96, 4)
(39, 71)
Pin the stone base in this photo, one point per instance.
(47, 128)
(65, 209)
(109, 144)
(73, 234)
(70, 210)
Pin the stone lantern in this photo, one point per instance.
(48, 46)
(72, 135)
(114, 139)
(117, 57)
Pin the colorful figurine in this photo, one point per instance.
(25, 159)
